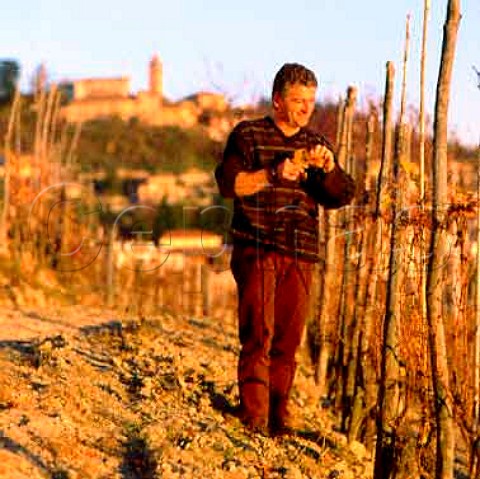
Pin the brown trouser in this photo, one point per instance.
(273, 295)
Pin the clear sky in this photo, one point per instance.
(236, 47)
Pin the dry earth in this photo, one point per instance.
(89, 394)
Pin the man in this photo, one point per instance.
(275, 234)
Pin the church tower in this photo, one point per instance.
(155, 76)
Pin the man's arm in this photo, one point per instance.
(234, 178)
(325, 181)
(332, 190)
(250, 183)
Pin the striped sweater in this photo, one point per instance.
(283, 215)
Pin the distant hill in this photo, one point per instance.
(112, 143)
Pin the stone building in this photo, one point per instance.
(93, 98)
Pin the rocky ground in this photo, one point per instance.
(89, 394)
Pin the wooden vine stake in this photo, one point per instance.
(445, 441)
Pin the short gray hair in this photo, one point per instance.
(292, 73)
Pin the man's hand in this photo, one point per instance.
(319, 157)
(322, 157)
(288, 170)
(294, 169)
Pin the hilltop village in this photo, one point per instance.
(94, 98)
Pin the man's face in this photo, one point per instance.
(296, 105)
